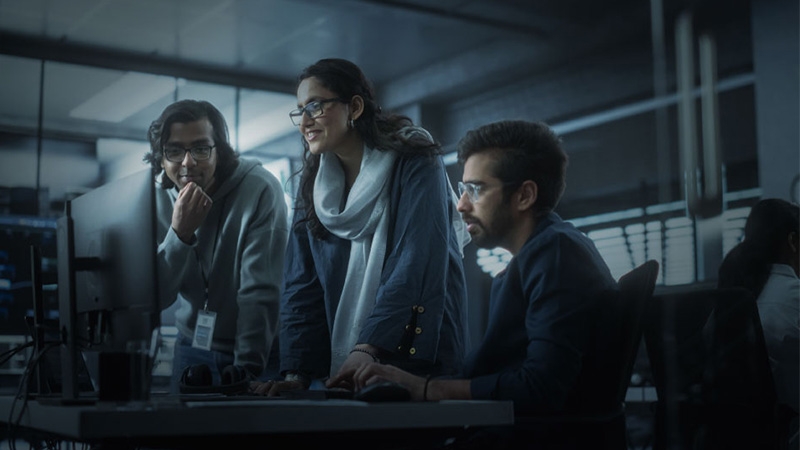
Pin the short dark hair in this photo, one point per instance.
(185, 111)
(525, 151)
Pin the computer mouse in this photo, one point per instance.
(383, 391)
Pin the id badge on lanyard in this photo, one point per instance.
(204, 330)
(206, 320)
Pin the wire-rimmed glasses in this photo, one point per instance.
(474, 190)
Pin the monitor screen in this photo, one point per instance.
(107, 270)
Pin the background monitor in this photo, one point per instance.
(108, 278)
(17, 235)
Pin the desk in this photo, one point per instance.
(171, 423)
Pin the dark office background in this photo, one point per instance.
(81, 81)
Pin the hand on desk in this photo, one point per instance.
(355, 361)
(372, 373)
(273, 388)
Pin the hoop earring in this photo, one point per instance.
(350, 124)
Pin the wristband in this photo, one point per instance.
(425, 390)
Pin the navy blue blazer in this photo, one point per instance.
(542, 311)
(419, 316)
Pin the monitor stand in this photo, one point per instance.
(48, 375)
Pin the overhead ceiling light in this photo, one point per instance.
(128, 95)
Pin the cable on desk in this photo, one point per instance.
(23, 392)
(8, 354)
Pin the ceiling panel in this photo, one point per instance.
(416, 52)
(279, 37)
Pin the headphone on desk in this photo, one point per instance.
(197, 379)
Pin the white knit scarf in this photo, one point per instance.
(364, 220)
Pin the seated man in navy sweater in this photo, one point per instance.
(544, 307)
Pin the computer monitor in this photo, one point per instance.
(108, 283)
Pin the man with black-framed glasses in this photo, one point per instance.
(222, 227)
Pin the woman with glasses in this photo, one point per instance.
(374, 262)
(222, 230)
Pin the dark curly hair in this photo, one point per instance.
(185, 111)
(379, 131)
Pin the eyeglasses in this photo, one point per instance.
(199, 153)
(312, 110)
(474, 191)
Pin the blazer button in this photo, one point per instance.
(420, 309)
(418, 330)
(412, 350)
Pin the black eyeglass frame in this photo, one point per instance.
(296, 115)
(192, 151)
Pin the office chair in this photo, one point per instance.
(606, 379)
(711, 371)
(636, 291)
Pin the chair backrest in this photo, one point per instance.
(618, 332)
(599, 419)
(710, 369)
(635, 294)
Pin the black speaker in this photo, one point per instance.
(196, 379)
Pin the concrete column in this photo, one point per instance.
(776, 51)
